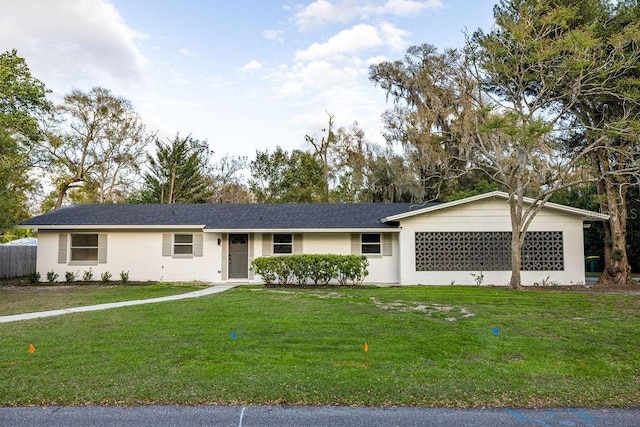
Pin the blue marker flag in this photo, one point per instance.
(496, 331)
(233, 335)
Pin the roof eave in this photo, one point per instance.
(303, 230)
(585, 214)
(110, 226)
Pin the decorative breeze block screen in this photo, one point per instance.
(487, 251)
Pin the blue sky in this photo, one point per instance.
(243, 75)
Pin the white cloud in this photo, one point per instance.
(351, 41)
(72, 41)
(410, 7)
(321, 12)
(273, 35)
(393, 36)
(376, 60)
(252, 66)
(356, 40)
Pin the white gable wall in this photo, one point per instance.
(491, 215)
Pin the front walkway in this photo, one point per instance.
(196, 294)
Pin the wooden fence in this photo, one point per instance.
(17, 261)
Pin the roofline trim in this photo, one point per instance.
(585, 214)
(109, 226)
(301, 230)
(214, 230)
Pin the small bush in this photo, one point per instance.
(124, 276)
(318, 268)
(352, 269)
(283, 271)
(69, 277)
(52, 276)
(322, 268)
(105, 277)
(33, 277)
(299, 267)
(87, 276)
(264, 267)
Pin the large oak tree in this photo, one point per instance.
(94, 147)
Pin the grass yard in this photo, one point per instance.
(25, 299)
(253, 345)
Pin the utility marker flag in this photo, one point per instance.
(366, 347)
(32, 349)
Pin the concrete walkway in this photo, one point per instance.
(196, 294)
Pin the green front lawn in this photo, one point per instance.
(433, 346)
(29, 298)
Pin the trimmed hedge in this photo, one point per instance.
(317, 269)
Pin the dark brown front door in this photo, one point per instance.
(238, 256)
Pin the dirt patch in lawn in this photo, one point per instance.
(450, 313)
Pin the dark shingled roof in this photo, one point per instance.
(228, 216)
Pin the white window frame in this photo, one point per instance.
(177, 244)
(377, 244)
(169, 244)
(72, 248)
(281, 244)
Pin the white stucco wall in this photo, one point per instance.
(139, 253)
(491, 215)
(382, 269)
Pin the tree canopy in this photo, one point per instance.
(22, 102)
(93, 147)
(280, 177)
(508, 105)
(177, 172)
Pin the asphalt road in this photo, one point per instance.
(284, 416)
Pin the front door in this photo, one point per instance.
(238, 256)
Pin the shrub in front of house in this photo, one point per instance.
(318, 269)
(264, 267)
(322, 268)
(52, 276)
(352, 269)
(70, 276)
(33, 277)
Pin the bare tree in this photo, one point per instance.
(227, 185)
(322, 149)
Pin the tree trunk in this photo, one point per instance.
(61, 195)
(516, 260)
(516, 208)
(617, 270)
(64, 189)
(325, 178)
